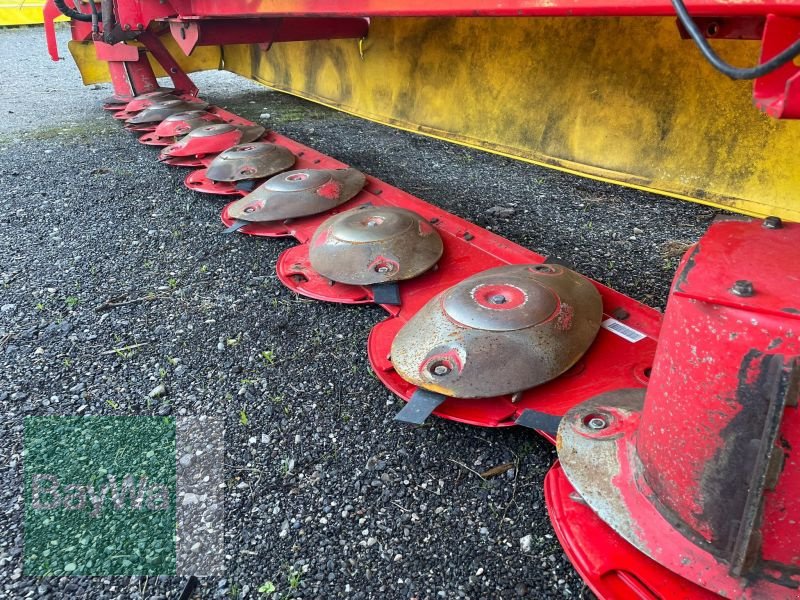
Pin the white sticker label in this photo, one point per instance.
(622, 330)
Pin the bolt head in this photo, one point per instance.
(597, 423)
(498, 299)
(441, 370)
(743, 288)
(772, 223)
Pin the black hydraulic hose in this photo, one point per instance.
(775, 62)
(95, 17)
(61, 5)
(107, 13)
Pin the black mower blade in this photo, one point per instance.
(386, 293)
(236, 226)
(420, 406)
(539, 421)
(189, 588)
(248, 185)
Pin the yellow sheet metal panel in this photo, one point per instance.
(204, 58)
(619, 99)
(22, 12)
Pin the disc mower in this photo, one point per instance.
(677, 433)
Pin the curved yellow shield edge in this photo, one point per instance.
(93, 71)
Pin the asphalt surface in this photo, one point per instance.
(326, 496)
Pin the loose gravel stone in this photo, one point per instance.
(158, 391)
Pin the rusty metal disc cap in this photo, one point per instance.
(183, 122)
(248, 133)
(250, 161)
(499, 332)
(213, 139)
(298, 193)
(210, 131)
(142, 101)
(369, 245)
(158, 111)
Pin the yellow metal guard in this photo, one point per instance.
(22, 12)
(619, 99)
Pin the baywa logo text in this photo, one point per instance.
(99, 495)
(127, 493)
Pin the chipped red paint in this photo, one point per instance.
(425, 228)
(330, 190)
(323, 237)
(513, 296)
(565, 316)
(451, 358)
(671, 549)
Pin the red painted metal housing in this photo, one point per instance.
(700, 473)
(778, 93)
(705, 379)
(610, 566)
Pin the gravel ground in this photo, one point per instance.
(326, 496)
